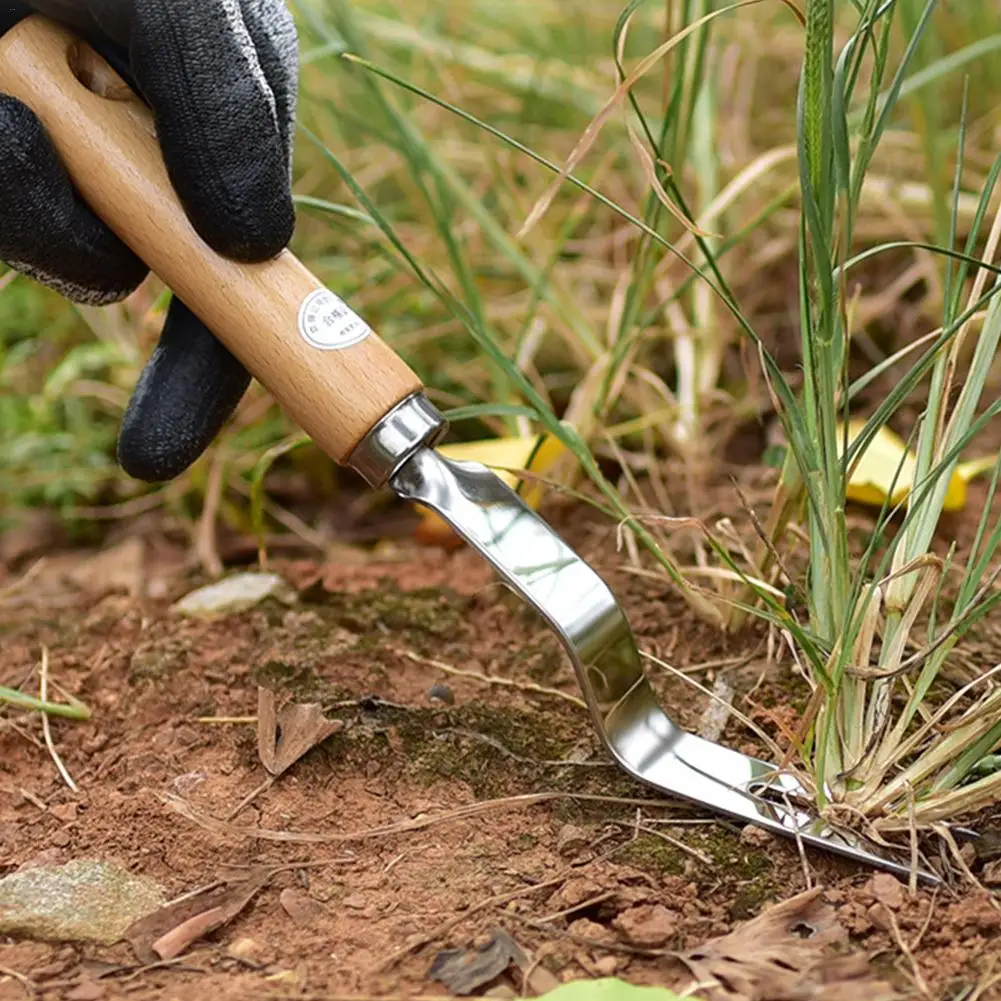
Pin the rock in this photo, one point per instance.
(234, 594)
(647, 926)
(590, 930)
(606, 966)
(755, 837)
(572, 840)
(574, 892)
(879, 916)
(441, 693)
(244, 948)
(887, 890)
(81, 901)
(300, 906)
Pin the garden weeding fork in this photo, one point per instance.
(364, 407)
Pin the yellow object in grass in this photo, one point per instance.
(886, 464)
(507, 458)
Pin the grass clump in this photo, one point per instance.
(871, 741)
(638, 229)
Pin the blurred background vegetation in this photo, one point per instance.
(604, 321)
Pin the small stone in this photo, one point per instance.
(887, 890)
(647, 926)
(66, 812)
(187, 783)
(879, 917)
(60, 839)
(501, 991)
(244, 948)
(355, 901)
(235, 594)
(755, 837)
(441, 693)
(186, 736)
(590, 930)
(572, 840)
(81, 901)
(300, 906)
(606, 966)
(574, 892)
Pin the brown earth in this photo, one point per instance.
(603, 878)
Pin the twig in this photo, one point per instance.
(250, 797)
(205, 536)
(444, 928)
(919, 980)
(912, 879)
(946, 835)
(32, 798)
(695, 853)
(525, 686)
(28, 984)
(43, 694)
(804, 862)
(186, 809)
(26, 577)
(501, 898)
(927, 921)
(773, 748)
(177, 963)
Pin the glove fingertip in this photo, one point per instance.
(243, 238)
(185, 395)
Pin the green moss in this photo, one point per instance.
(655, 856)
(298, 678)
(157, 660)
(377, 612)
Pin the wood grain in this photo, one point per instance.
(106, 138)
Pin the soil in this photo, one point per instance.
(602, 878)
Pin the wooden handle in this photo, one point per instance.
(329, 372)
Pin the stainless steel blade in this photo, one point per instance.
(570, 596)
(540, 567)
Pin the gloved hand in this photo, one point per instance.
(221, 79)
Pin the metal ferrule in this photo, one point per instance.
(413, 423)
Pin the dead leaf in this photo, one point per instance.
(462, 971)
(283, 738)
(168, 932)
(783, 953)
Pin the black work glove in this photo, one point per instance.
(221, 79)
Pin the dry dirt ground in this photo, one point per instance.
(450, 696)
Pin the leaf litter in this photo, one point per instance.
(465, 970)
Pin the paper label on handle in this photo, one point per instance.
(328, 323)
